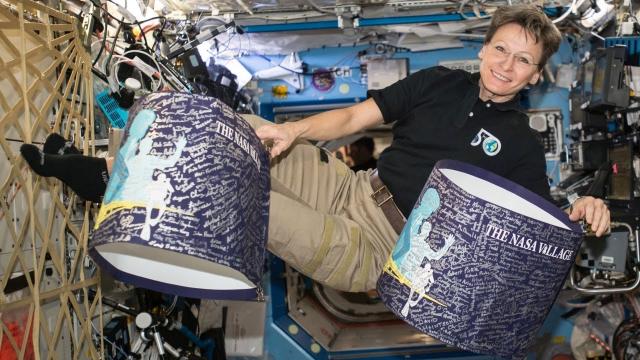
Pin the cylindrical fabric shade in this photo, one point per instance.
(480, 261)
(187, 206)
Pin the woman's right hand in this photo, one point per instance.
(277, 137)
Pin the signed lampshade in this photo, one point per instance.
(186, 208)
(480, 261)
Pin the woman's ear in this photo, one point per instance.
(535, 77)
(481, 53)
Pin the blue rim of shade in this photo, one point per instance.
(517, 189)
(244, 294)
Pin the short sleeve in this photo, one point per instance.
(397, 99)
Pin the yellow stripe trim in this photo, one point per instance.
(362, 277)
(347, 260)
(392, 269)
(323, 249)
(107, 210)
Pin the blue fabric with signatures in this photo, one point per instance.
(474, 271)
(190, 176)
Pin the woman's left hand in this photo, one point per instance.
(594, 211)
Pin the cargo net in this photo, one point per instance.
(45, 87)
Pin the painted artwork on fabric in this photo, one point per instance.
(190, 176)
(476, 272)
(414, 255)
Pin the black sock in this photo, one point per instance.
(56, 144)
(86, 175)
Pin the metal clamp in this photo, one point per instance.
(380, 190)
(612, 290)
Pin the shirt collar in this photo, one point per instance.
(513, 104)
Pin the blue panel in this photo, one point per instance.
(633, 47)
(280, 342)
(280, 346)
(312, 25)
(333, 24)
(414, 19)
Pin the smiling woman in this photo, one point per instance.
(518, 44)
(508, 63)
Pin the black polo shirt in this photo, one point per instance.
(438, 115)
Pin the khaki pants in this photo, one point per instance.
(322, 220)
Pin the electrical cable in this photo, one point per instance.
(205, 19)
(126, 355)
(106, 66)
(566, 299)
(318, 8)
(127, 60)
(173, 305)
(634, 303)
(104, 37)
(290, 17)
(597, 35)
(227, 43)
(104, 42)
(144, 37)
(625, 334)
(135, 22)
(157, 39)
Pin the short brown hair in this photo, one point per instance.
(533, 21)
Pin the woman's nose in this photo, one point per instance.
(508, 62)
